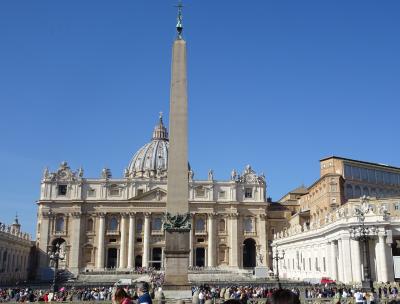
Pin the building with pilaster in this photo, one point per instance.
(116, 223)
(15, 249)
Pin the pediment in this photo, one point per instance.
(156, 194)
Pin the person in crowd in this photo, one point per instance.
(143, 293)
(121, 297)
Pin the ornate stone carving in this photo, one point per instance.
(233, 175)
(177, 222)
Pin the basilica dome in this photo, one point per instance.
(151, 160)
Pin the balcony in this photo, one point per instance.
(60, 233)
(200, 232)
(157, 232)
(112, 232)
(250, 233)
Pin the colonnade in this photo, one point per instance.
(13, 264)
(343, 259)
(215, 242)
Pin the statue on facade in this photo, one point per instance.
(46, 173)
(80, 172)
(106, 173)
(233, 175)
(210, 175)
(126, 172)
(260, 259)
(191, 174)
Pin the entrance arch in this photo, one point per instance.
(200, 257)
(112, 254)
(157, 257)
(249, 253)
(138, 261)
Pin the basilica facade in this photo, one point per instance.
(116, 223)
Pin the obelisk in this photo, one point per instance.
(176, 222)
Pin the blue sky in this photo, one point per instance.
(275, 84)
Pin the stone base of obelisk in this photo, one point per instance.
(176, 284)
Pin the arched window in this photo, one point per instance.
(200, 224)
(113, 224)
(59, 224)
(90, 225)
(349, 191)
(357, 191)
(248, 225)
(221, 227)
(366, 191)
(139, 225)
(156, 224)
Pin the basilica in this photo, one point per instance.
(116, 222)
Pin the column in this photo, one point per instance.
(356, 260)
(340, 262)
(44, 240)
(191, 240)
(146, 240)
(131, 241)
(381, 258)
(162, 257)
(233, 232)
(346, 261)
(262, 235)
(211, 240)
(100, 243)
(122, 248)
(75, 256)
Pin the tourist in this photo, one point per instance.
(143, 293)
(284, 296)
(121, 297)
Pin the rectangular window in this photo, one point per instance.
(222, 194)
(62, 190)
(364, 174)
(347, 171)
(200, 192)
(371, 176)
(139, 191)
(92, 192)
(397, 206)
(114, 192)
(356, 173)
(379, 176)
(248, 193)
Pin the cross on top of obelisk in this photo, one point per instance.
(179, 24)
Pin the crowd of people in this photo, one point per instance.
(239, 293)
(383, 292)
(202, 293)
(74, 294)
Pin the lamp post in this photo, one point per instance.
(276, 257)
(363, 233)
(55, 255)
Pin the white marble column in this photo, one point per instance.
(100, 242)
(211, 240)
(131, 241)
(356, 260)
(75, 256)
(191, 240)
(381, 258)
(340, 262)
(347, 262)
(122, 248)
(146, 240)
(233, 234)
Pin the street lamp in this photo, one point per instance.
(363, 233)
(276, 257)
(55, 255)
